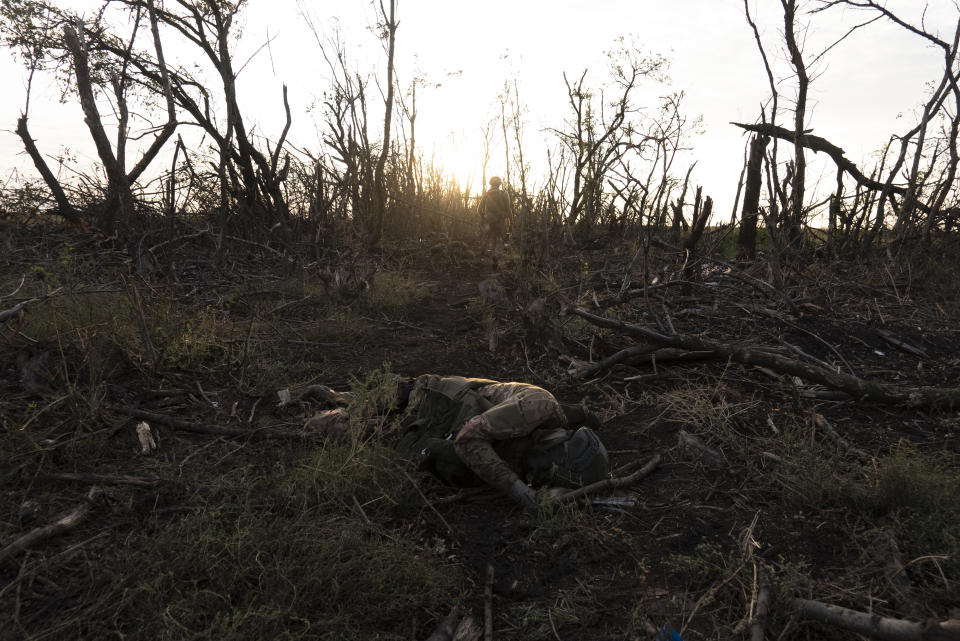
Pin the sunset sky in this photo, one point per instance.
(865, 89)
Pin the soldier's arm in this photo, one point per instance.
(474, 446)
(504, 421)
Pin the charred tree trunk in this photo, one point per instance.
(64, 208)
(747, 239)
(795, 217)
(119, 200)
(379, 179)
(702, 209)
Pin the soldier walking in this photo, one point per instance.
(495, 212)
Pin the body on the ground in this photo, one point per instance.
(508, 435)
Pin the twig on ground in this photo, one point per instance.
(447, 626)
(14, 292)
(824, 425)
(896, 342)
(16, 310)
(553, 626)
(250, 242)
(359, 507)
(708, 596)
(488, 605)
(609, 484)
(799, 352)
(899, 580)
(416, 486)
(707, 454)
(636, 355)
(105, 479)
(200, 428)
(926, 397)
(759, 624)
(253, 410)
(203, 394)
(64, 524)
(177, 239)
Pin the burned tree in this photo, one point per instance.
(33, 26)
(747, 240)
(916, 181)
(597, 141)
(380, 188)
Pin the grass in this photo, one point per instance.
(286, 543)
(265, 559)
(309, 541)
(913, 494)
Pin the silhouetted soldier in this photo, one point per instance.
(495, 211)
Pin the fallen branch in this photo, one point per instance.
(104, 479)
(447, 625)
(816, 144)
(639, 354)
(16, 310)
(627, 294)
(896, 342)
(609, 484)
(200, 428)
(707, 454)
(759, 624)
(14, 292)
(64, 524)
(488, 605)
(821, 422)
(878, 627)
(423, 496)
(898, 579)
(926, 397)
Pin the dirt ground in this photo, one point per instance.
(687, 547)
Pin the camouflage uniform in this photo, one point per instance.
(469, 431)
(492, 444)
(495, 211)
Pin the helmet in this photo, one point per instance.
(495, 181)
(579, 460)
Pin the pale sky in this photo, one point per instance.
(861, 89)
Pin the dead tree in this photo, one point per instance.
(78, 40)
(33, 34)
(596, 142)
(208, 25)
(380, 188)
(795, 217)
(64, 207)
(702, 209)
(119, 203)
(747, 238)
(920, 194)
(525, 241)
(347, 129)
